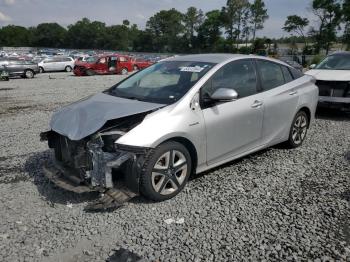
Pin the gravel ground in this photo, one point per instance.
(277, 204)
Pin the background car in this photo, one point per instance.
(106, 64)
(56, 64)
(140, 63)
(22, 68)
(333, 80)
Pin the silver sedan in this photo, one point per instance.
(181, 116)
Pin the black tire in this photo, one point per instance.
(136, 68)
(124, 71)
(6, 78)
(173, 181)
(89, 72)
(298, 130)
(68, 69)
(29, 73)
(41, 70)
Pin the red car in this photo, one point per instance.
(140, 64)
(103, 65)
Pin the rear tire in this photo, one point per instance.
(68, 69)
(29, 73)
(124, 71)
(136, 68)
(298, 130)
(166, 172)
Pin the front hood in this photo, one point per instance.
(330, 75)
(85, 117)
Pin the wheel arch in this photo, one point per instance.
(308, 113)
(189, 146)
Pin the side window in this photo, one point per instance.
(122, 59)
(238, 75)
(102, 60)
(271, 75)
(287, 75)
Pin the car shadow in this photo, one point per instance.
(48, 190)
(332, 114)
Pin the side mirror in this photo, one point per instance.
(224, 95)
(312, 66)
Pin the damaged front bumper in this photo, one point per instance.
(85, 166)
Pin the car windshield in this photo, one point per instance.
(164, 83)
(335, 62)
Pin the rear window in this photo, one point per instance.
(287, 74)
(271, 74)
(296, 73)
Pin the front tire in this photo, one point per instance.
(298, 130)
(166, 172)
(68, 69)
(41, 70)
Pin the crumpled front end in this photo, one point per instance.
(95, 163)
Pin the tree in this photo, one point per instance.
(13, 35)
(258, 16)
(232, 15)
(49, 35)
(209, 33)
(86, 34)
(296, 24)
(329, 15)
(166, 27)
(346, 18)
(193, 19)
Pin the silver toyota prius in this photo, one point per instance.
(184, 115)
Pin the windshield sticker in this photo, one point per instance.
(194, 69)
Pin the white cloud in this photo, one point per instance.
(9, 2)
(4, 18)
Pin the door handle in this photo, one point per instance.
(257, 104)
(293, 93)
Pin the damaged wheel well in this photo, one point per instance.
(190, 147)
(308, 113)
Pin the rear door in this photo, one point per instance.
(236, 126)
(280, 97)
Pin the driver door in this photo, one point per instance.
(233, 127)
(101, 66)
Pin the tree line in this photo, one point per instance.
(228, 29)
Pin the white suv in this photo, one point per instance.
(56, 64)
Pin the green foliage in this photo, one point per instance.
(49, 35)
(329, 14)
(166, 27)
(258, 16)
(12, 35)
(317, 59)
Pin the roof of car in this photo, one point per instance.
(207, 58)
(219, 58)
(341, 53)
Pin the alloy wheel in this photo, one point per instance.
(169, 172)
(299, 129)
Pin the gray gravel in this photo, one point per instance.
(277, 204)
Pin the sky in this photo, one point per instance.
(32, 12)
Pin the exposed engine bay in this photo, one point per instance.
(96, 162)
